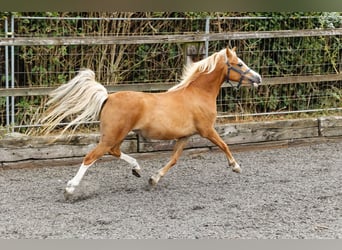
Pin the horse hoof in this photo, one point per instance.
(68, 192)
(67, 195)
(136, 172)
(152, 181)
(237, 170)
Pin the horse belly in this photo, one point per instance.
(167, 128)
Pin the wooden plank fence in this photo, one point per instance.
(148, 87)
(20, 150)
(174, 38)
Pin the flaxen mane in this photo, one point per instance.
(192, 70)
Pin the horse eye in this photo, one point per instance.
(240, 64)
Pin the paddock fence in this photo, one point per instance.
(299, 58)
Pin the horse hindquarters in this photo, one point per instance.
(119, 115)
(115, 123)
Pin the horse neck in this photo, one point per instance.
(210, 83)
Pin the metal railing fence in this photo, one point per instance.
(300, 59)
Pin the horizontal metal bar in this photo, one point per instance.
(162, 18)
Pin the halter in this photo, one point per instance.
(242, 74)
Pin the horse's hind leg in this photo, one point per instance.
(89, 160)
(177, 151)
(136, 170)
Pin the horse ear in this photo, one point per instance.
(233, 49)
(229, 52)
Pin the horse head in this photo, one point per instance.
(238, 71)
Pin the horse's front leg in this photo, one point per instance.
(177, 151)
(214, 137)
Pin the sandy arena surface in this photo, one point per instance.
(281, 193)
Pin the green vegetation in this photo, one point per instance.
(42, 66)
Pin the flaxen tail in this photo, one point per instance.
(81, 98)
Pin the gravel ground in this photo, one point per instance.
(281, 193)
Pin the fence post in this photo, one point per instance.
(193, 52)
(207, 31)
(12, 74)
(10, 103)
(6, 78)
(196, 51)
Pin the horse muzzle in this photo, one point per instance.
(255, 80)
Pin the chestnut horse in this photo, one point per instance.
(184, 110)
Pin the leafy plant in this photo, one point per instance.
(41, 66)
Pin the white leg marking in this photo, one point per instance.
(132, 161)
(74, 182)
(236, 168)
(154, 179)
